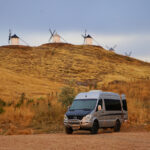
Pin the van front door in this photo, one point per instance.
(100, 115)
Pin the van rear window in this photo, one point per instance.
(124, 104)
(112, 105)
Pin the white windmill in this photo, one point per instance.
(112, 49)
(88, 39)
(55, 37)
(128, 53)
(14, 39)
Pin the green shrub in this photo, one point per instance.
(10, 103)
(66, 95)
(17, 105)
(29, 101)
(2, 103)
(41, 98)
(1, 110)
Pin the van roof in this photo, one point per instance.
(95, 94)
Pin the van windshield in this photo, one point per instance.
(83, 104)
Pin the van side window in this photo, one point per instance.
(112, 104)
(99, 103)
(124, 104)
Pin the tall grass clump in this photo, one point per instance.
(48, 116)
(21, 100)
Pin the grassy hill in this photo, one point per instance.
(39, 70)
(31, 79)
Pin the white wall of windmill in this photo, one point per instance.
(14, 41)
(56, 38)
(88, 41)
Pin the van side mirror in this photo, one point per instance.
(99, 107)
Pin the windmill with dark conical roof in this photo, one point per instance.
(88, 39)
(13, 39)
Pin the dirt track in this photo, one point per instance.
(80, 140)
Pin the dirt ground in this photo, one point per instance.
(79, 140)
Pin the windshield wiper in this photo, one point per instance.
(86, 109)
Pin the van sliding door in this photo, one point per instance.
(112, 111)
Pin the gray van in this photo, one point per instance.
(96, 109)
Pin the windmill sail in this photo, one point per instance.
(9, 37)
(52, 34)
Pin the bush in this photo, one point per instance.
(2, 103)
(29, 101)
(66, 95)
(1, 110)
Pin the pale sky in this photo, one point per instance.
(122, 22)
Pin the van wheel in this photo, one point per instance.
(95, 128)
(117, 126)
(68, 130)
(104, 128)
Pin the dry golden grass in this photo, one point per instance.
(45, 115)
(13, 84)
(32, 116)
(14, 121)
(138, 99)
(40, 72)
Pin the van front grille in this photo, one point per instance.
(75, 117)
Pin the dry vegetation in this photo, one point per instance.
(138, 99)
(31, 79)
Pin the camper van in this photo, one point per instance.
(96, 109)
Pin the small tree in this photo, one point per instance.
(66, 95)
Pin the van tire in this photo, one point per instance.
(95, 127)
(68, 130)
(117, 126)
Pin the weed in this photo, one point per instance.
(29, 101)
(22, 98)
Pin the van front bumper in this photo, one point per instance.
(76, 124)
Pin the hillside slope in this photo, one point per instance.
(47, 67)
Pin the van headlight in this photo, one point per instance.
(87, 118)
(65, 118)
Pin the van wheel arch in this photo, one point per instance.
(95, 127)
